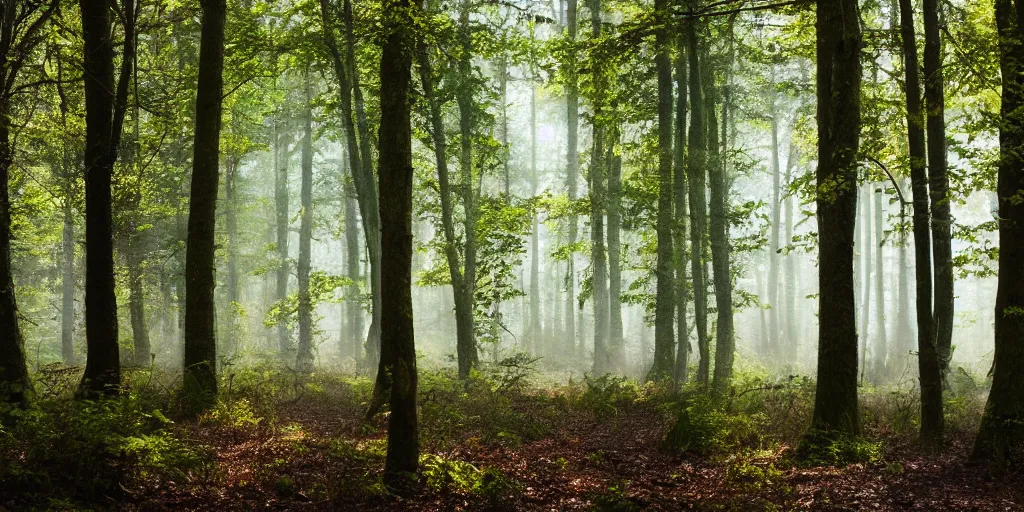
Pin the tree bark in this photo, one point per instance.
(838, 93)
(725, 340)
(304, 359)
(881, 343)
(681, 255)
(231, 226)
(282, 221)
(928, 361)
(200, 280)
(665, 307)
(67, 310)
(1001, 434)
(599, 279)
(398, 348)
(938, 183)
(353, 308)
(865, 276)
(572, 102)
(104, 114)
(696, 177)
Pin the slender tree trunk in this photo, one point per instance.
(938, 182)
(599, 279)
(680, 227)
(665, 292)
(696, 177)
(137, 301)
(467, 350)
(200, 280)
(881, 343)
(838, 83)
(865, 276)
(792, 330)
(1001, 434)
(616, 339)
(928, 360)
(15, 387)
(398, 347)
(67, 310)
(284, 342)
(353, 308)
(304, 359)
(572, 101)
(231, 226)
(535, 297)
(725, 338)
(774, 342)
(903, 343)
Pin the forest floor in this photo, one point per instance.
(277, 442)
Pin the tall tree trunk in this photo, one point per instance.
(881, 343)
(616, 340)
(838, 93)
(599, 279)
(903, 343)
(231, 226)
(792, 330)
(665, 307)
(67, 310)
(572, 101)
(15, 387)
(534, 340)
(679, 203)
(938, 183)
(467, 351)
(774, 348)
(353, 308)
(696, 177)
(137, 301)
(104, 115)
(304, 359)
(928, 360)
(200, 280)
(398, 347)
(865, 276)
(725, 340)
(1001, 434)
(282, 222)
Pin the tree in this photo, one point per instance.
(304, 360)
(938, 184)
(696, 177)
(664, 333)
(838, 92)
(572, 103)
(597, 181)
(1001, 434)
(20, 32)
(680, 207)
(928, 360)
(104, 117)
(398, 347)
(200, 332)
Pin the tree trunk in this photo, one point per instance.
(838, 93)
(231, 226)
(792, 329)
(725, 338)
(881, 344)
(353, 308)
(774, 342)
(67, 310)
(572, 101)
(903, 343)
(137, 302)
(696, 176)
(304, 360)
(534, 340)
(616, 340)
(15, 387)
(102, 375)
(680, 226)
(284, 342)
(1001, 434)
(200, 280)
(467, 352)
(865, 276)
(928, 362)
(599, 279)
(938, 182)
(398, 347)
(665, 307)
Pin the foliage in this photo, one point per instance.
(702, 427)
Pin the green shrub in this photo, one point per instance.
(605, 396)
(704, 428)
(826, 448)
